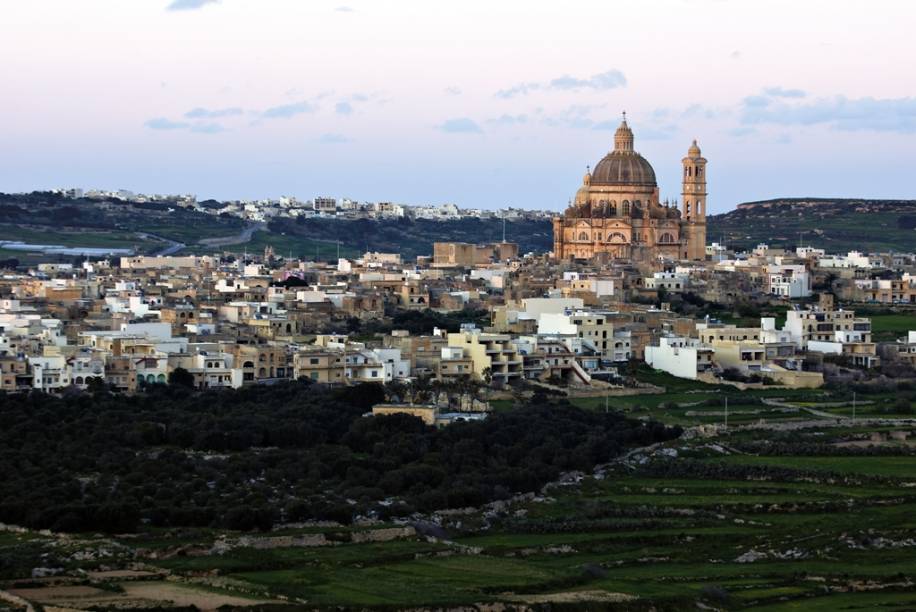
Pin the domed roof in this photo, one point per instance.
(624, 168)
(623, 165)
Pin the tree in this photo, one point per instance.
(179, 377)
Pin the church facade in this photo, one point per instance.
(617, 211)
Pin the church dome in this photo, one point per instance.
(623, 166)
(619, 168)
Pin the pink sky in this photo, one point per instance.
(479, 103)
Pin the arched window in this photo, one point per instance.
(79, 380)
(612, 207)
(248, 364)
(626, 207)
(160, 378)
(666, 238)
(583, 236)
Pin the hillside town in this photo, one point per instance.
(289, 207)
(483, 314)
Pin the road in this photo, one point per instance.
(243, 237)
(173, 247)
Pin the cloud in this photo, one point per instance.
(333, 139)
(360, 97)
(509, 120)
(203, 113)
(756, 101)
(453, 91)
(610, 79)
(741, 132)
(161, 123)
(344, 9)
(207, 128)
(461, 125)
(735, 55)
(576, 116)
(285, 111)
(198, 127)
(839, 112)
(698, 111)
(518, 90)
(605, 80)
(780, 92)
(189, 5)
(343, 108)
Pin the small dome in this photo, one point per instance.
(623, 137)
(694, 150)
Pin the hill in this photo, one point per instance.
(834, 224)
(838, 225)
(416, 237)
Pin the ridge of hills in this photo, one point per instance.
(835, 224)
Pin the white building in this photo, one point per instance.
(679, 356)
(788, 281)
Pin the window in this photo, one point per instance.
(313, 360)
(314, 375)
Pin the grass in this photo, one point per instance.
(284, 245)
(893, 466)
(889, 327)
(98, 239)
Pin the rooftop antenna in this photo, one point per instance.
(504, 227)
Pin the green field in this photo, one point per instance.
(903, 467)
(890, 327)
(284, 246)
(750, 519)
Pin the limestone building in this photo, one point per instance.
(617, 210)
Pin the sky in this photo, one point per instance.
(478, 103)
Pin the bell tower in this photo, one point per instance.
(693, 207)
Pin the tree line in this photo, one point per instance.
(256, 456)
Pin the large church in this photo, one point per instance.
(617, 210)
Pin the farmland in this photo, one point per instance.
(783, 510)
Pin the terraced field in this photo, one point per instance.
(820, 515)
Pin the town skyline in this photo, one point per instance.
(390, 103)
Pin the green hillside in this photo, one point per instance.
(837, 225)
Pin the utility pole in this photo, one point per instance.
(726, 412)
(504, 227)
(853, 407)
(606, 392)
